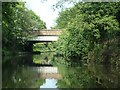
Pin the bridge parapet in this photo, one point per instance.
(45, 32)
(50, 32)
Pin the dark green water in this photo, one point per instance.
(24, 72)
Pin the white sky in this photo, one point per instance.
(44, 10)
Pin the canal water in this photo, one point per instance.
(46, 70)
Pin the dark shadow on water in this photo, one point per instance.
(39, 65)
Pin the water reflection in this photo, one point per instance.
(51, 75)
(49, 83)
(87, 76)
(22, 72)
(43, 59)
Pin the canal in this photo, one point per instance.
(46, 70)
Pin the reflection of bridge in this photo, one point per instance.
(48, 72)
(45, 71)
(50, 75)
(43, 36)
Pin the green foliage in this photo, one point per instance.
(88, 26)
(43, 58)
(43, 47)
(17, 20)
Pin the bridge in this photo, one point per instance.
(43, 35)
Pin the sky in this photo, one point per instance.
(44, 10)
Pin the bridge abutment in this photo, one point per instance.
(29, 47)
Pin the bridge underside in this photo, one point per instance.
(33, 41)
(40, 39)
(43, 39)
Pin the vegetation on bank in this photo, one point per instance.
(91, 32)
(17, 21)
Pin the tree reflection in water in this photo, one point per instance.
(86, 76)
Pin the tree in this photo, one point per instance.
(87, 26)
(17, 20)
